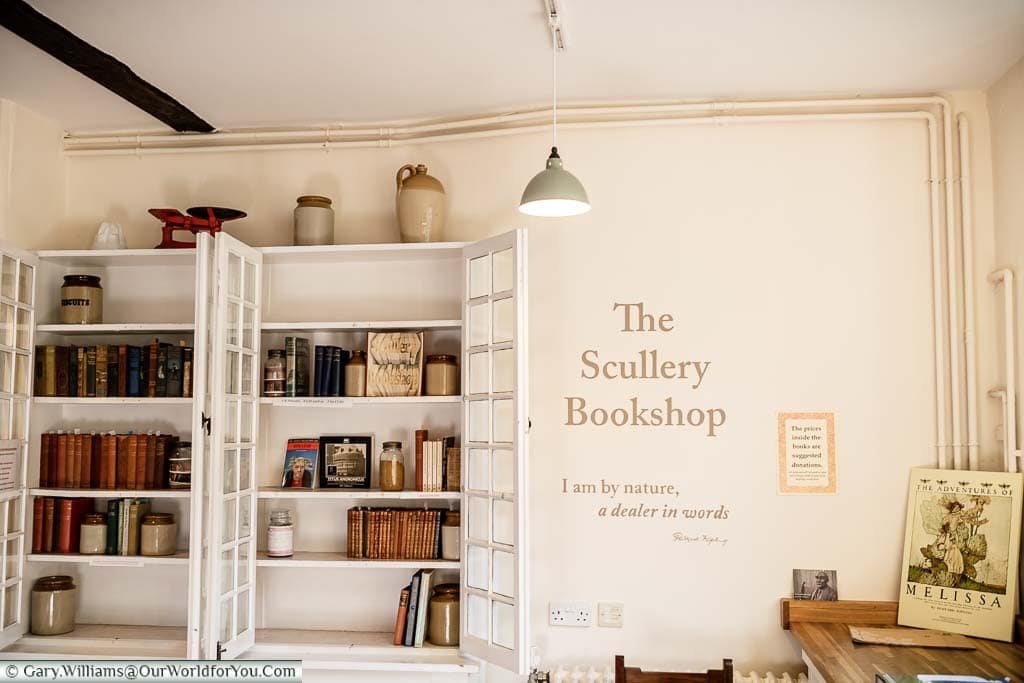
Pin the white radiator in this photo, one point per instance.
(580, 674)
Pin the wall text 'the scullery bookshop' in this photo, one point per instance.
(645, 364)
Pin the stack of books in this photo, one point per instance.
(328, 370)
(154, 371)
(394, 534)
(105, 461)
(413, 603)
(438, 463)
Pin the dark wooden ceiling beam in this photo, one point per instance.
(23, 20)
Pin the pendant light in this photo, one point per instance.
(554, 191)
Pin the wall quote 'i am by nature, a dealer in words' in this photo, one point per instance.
(647, 364)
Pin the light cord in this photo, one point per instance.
(554, 87)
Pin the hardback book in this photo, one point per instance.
(426, 579)
(318, 370)
(95, 451)
(161, 369)
(132, 461)
(453, 473)
(72, 371)
(85, 461)
(186, 372)
(74, 474)
(46, 371)
(339, 358)
(121, 463)
(61, 461)
(49, 515)
(137, 509)
(174, 363)
(403, 612)
(409, 636)
(72, 510)
(113, 372)
(80, 352)
(394, 363)
(961, 552)
(113, 524)
(90, 371)
(151, 354)
(122, 370)
(420, 437)
(145, 461)
(61, 370)
(101, 371)
(51, 458)
(37, 525)
(135, 382)
(296, 359)
(44, 459)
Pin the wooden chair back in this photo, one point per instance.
(633, 674)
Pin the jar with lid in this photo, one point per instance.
(442, 375)
(355, 374)
(392, 467)
(53, 606)
(280, 534)
(450, 541)
(314, 220)
(81, 300)
(179, 466)
(159, 535)
(92, 538)
(273, 373)
(443, 615)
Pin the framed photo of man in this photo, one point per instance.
(815, 584)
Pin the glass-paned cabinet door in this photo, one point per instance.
(205, 304)
(17, 327)
(231, 485)
(494, 603)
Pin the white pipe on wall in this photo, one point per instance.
(967, 238)
(1009, 392)
(340, 136)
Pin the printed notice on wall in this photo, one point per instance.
(9, 451)
(807, 453)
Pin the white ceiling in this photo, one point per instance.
(265, 62)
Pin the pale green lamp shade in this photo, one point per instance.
(554, 192)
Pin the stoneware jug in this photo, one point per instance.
(421, 205)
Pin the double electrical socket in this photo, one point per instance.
(570, 614)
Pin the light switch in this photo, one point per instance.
(610, 614)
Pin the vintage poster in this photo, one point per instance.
(807, 452)
(961, 551)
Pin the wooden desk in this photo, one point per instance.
(832, 657)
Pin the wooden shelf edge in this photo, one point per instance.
(864, 612)
(109, 493)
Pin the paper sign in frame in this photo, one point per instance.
(830, 444)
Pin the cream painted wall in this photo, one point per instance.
(794, 257)
(1006, 104)
(32, 175)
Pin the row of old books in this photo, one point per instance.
(57, 524)
(328, 370)
(438, 463)
(413, 603)
(156, 370)
(394, 534)
(105, 461)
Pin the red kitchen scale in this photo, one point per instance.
(199, 219)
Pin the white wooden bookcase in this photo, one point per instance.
(220, 595)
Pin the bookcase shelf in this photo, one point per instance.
(349, 401)
(112, 493)
(105, 258)
(357, 651)
(354, 326)
(179, 558)
(117, 328)
(355, 494)
(336, 253)
(113, 400)
(341, 561)
(103, 641)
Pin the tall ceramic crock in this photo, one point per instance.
(420, 202)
